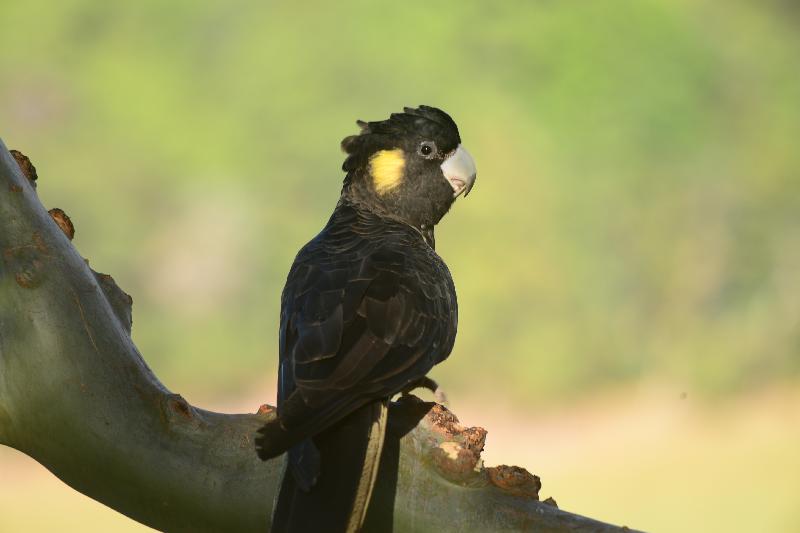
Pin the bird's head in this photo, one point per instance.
(411, 166)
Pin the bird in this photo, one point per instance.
(368, 309)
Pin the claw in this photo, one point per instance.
(431, 385)
(441, 397)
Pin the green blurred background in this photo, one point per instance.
(628, 264)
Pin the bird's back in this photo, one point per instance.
(368, 308)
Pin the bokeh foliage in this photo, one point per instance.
(636, 215)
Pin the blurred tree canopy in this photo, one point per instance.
(636, 215)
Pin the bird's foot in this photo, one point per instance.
(427, 383)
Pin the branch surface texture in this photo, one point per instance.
(76, 395)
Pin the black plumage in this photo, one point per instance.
(368, 309)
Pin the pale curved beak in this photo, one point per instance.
(459, 169)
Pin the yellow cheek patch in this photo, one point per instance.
(386, 168)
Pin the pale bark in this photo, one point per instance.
(76, 395)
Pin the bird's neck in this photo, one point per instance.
(367, 209)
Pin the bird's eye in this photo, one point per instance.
(427, 149)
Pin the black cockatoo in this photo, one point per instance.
(368, 309)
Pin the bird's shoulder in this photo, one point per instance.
(355, 249)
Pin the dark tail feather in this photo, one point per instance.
(303, 462)
(349, 455)
(274, 440)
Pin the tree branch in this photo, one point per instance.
(76, 395)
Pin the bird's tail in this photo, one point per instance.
(349, 456)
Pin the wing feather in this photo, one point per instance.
(365, 311)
